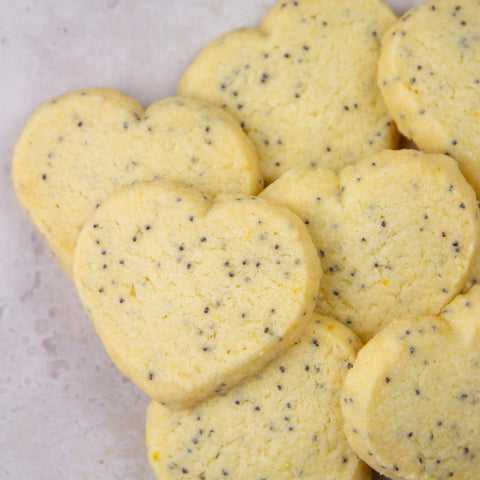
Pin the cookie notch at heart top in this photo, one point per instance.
(79, 148)
(190, 296)
(398, 235)
(412, 400)
(303, 86)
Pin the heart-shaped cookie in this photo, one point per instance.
(398, 234)
(429, 75)
(79, 148)
(189, 296)
(283, 423)
(303, 85)
(412, 399)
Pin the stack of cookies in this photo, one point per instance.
(294, 291)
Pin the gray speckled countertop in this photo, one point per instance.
(65, 410)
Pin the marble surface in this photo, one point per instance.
(65, 410)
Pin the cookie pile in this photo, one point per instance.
(294, 292)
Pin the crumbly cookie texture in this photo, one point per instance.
(79, 148)
(303, 86)
(398, 234)
(190, 296)
(283, 423)
(412, 400)
(429, 75)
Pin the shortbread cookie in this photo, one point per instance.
(397, 234)
(190, 296)
(303, 86)
(429, 75)
(412, 400)
(283, 423)
(474, 274)
(77, 149)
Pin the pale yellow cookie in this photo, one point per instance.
(429, 75)
(398, 234)
(303, 85)
(190, 296)
(412, 400)
(284, 423)
(78, 148)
